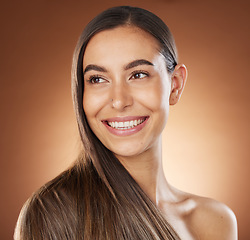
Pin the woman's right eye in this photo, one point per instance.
(96, 80)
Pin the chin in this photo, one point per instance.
(128, 151)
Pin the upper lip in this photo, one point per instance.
(124, 119)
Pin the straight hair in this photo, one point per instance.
(97, 198)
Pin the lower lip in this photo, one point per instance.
(126, 132)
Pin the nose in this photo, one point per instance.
(121, 96)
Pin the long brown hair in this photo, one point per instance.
(97, 198)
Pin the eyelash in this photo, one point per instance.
(139, 72)
(92, 78)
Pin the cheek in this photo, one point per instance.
(156, 98)
(91, 104)
(86, 105)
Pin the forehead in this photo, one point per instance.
(123, 43)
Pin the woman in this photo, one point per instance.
(125, 75)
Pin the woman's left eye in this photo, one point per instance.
(139, 75)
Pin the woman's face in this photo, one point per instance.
(126, 90)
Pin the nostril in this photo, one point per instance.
(121, 100)
(117, 104)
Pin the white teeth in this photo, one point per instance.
(126, 125)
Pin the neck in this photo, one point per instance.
(147, 170)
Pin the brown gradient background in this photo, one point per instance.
(206, 142)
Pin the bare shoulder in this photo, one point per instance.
(212, 220)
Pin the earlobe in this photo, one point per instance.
(178, 80)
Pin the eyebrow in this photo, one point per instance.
(138, 63)
(95, 68)
(128, 66)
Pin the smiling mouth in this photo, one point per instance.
(124, 125)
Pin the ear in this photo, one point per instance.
(178, 80)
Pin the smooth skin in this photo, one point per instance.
(125, 77)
